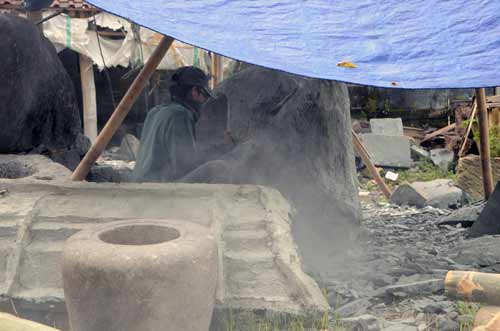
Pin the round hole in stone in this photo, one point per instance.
(139, 235)
(15, 169)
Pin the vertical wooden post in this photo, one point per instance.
(89, 98)
(363, 153)
(216, 69)
(122, 109)
(497, 90)
(482, 116)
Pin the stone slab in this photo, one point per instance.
(259, 264)
(442, 157)
(387, 126)
(439, 193)
(418, 153)
(388, 151)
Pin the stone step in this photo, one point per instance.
(253, 225)
(8, 228)
(246, 240)
(245, 256)
(6, 248)
(250, 275)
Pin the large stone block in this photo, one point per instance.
(293, 134)
(387, 126)
(388, 151)
(469, 175)
(439, 193)
(259, 266)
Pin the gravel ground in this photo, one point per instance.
(393, 279)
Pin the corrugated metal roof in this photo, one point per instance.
(66, 4)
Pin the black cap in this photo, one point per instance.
(192, 76)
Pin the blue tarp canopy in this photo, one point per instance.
(391, 43)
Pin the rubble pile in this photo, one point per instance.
(394, 280)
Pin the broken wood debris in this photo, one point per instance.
(439, 132)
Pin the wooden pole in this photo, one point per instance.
(363, 153)
(484, 147)
(473, 286)
(122, 109)
(487, 318)
(467, 131)
(216, 69)
(89, 98)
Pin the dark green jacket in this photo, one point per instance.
(168, 144)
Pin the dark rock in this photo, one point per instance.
(431, 286)
(487, 222)
(104, 173)
(38, 99)
(355, 307)
(418, 153)
(433, 308)
(447, 325)
(129, 148)
(293, 134)
(69, 158)
(81, 144)
(31, 167)
(361, 323)
(464, 216)
(406, 194)
(478, 252)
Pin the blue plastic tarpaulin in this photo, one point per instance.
(388, 43)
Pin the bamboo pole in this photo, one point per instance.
(473, 286)
(484, 147)
(467, 132)
(122, 109)
(88, 97)
(363, 153)
(487, 319)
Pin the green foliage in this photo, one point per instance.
(467, 308)
(253, 322)
(494, 136)
(424, 171)
(495, 141)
